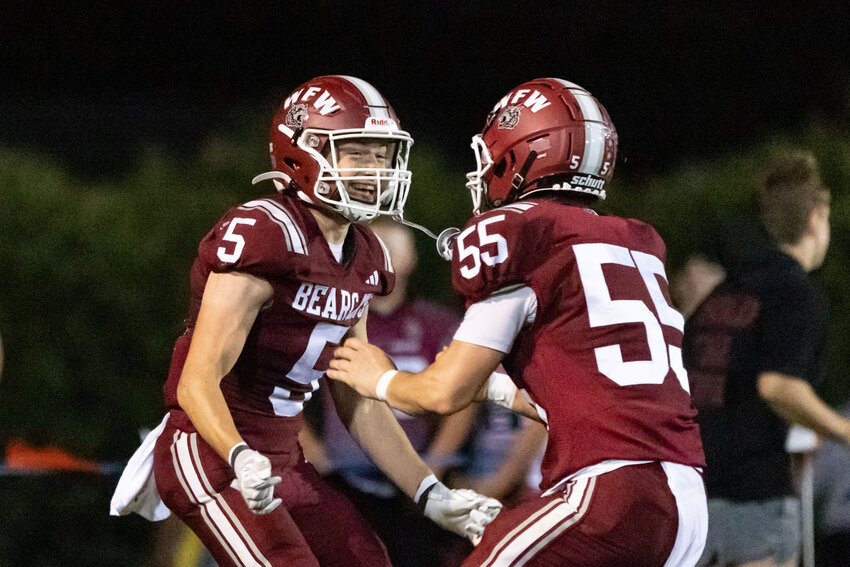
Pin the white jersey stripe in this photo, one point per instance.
(377, 104)
(210, 511)
(196, 457)
(528, 521)
(295, 240)
(388, 263)
(216, 512)
(579, 500)
(517, 207)
(534, 534)
(181, 476)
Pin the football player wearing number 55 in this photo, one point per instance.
(277, 284)
(575, 306)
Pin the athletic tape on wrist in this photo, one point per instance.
(384, 383)
(234, 451)
(427, 484)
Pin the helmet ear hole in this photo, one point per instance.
(291, 163)
(500, 168)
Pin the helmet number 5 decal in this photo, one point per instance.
(602, 311)
(236, 239)
(486, 241)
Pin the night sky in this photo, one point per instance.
(93, 82)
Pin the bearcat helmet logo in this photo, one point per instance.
(296, 116)
(510, 117)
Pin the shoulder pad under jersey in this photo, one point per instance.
(257, 237)
(497, 249)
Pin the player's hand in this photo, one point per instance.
(462, 511)
(360, 365)
(254, 481)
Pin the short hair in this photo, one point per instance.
(787, 191)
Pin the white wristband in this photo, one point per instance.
(384, 383)
(501, 390)
(426, 483)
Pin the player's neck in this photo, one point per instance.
(804, 252)
(332, 225)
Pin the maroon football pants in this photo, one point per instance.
(315, 525)
(627, 517)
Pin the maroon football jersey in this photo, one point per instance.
(413, 335)
(316, 301)
(603, 355)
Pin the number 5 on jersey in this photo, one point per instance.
(231, 236)
(602, 310)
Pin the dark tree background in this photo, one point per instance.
(126, 130)
(91, 82)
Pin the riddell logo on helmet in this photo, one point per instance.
(373, 122)
(587, 181)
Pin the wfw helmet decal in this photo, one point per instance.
(510, 117)
(296, 116)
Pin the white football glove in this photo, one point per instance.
(462, 511)
(254, 481)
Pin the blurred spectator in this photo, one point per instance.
(832, 492)
(412, 331)
(752, 349)
(693, 282)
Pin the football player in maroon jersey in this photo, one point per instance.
(278, 282)
(575, 306)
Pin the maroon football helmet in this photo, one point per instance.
(304, 139)
(544, 135)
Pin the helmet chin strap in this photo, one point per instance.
(445, 240)
(519, 178)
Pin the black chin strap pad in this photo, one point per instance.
(519, 178)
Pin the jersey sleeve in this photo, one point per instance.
(496, 321)
(249, 241)
(498, 249)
